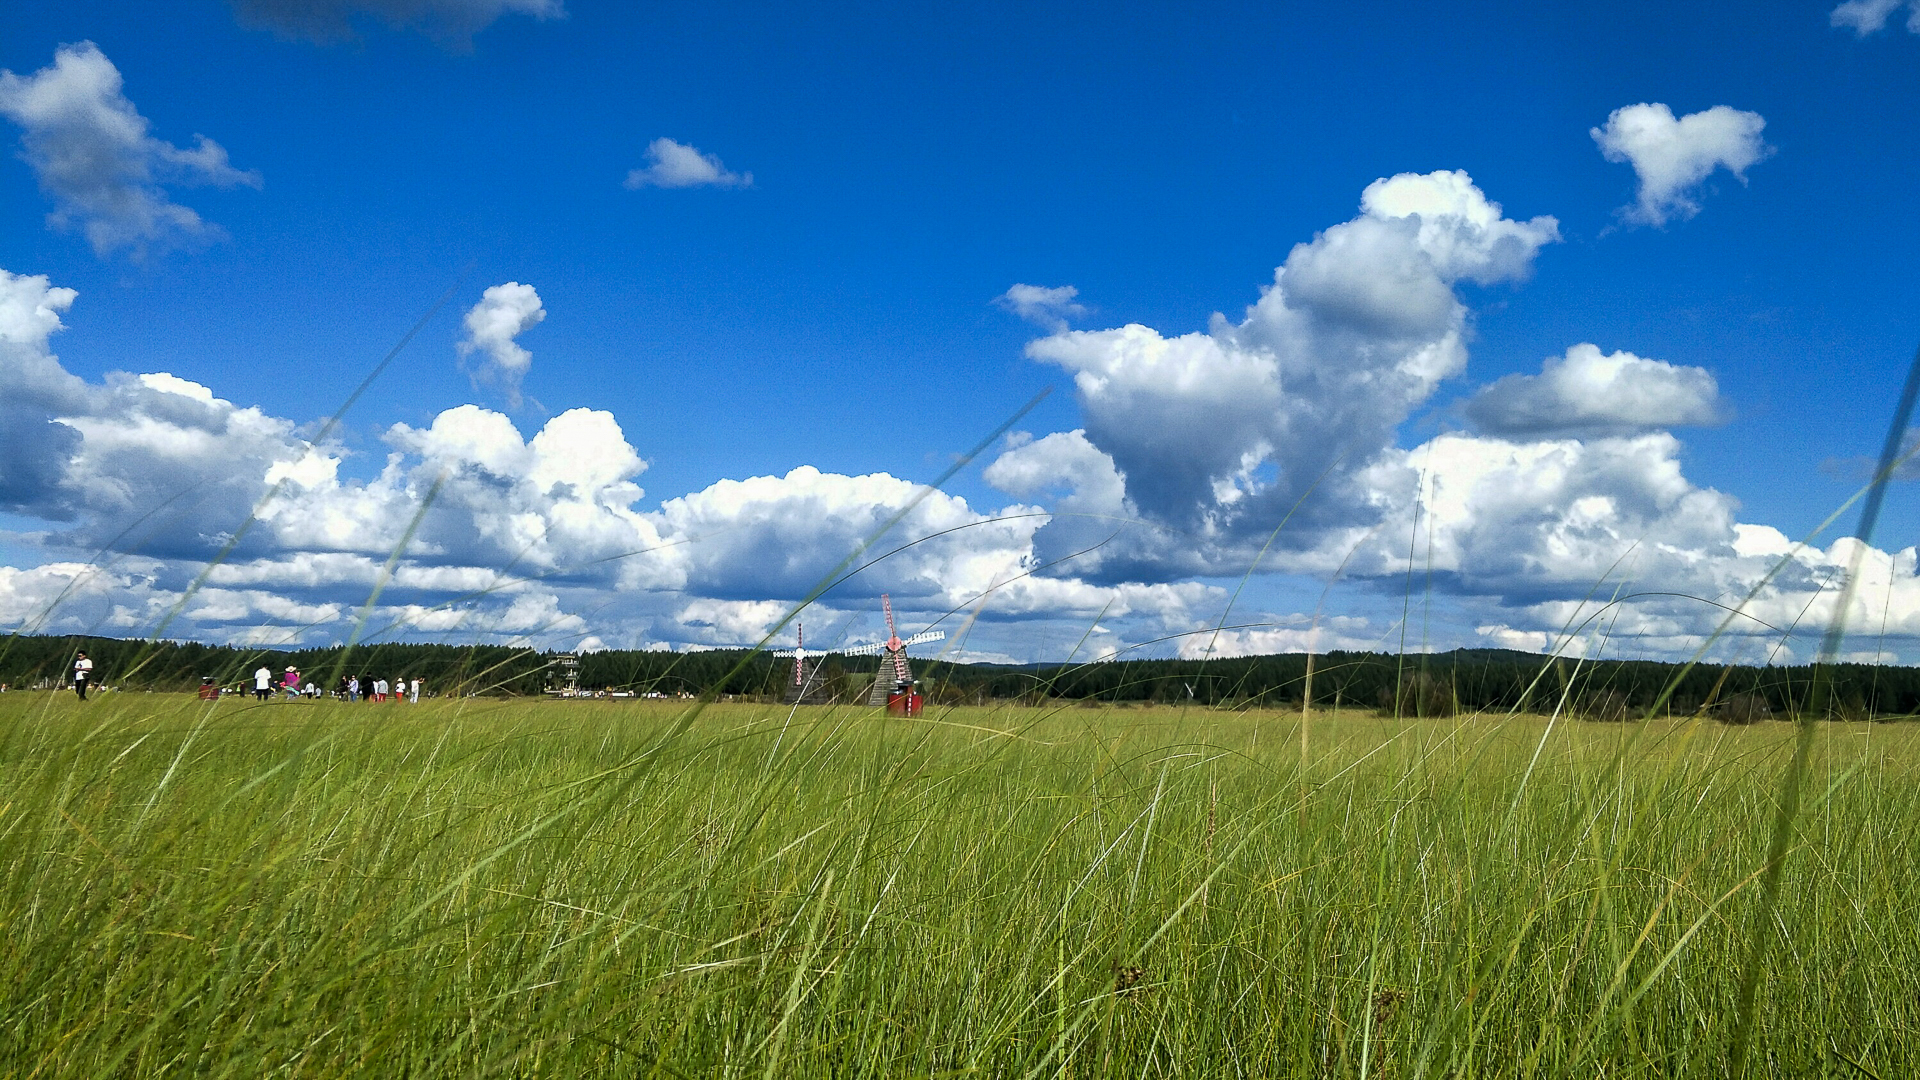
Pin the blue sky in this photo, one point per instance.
(837, 312)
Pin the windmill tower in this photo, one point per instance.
(894, 672)
(564, 670)
(806, 687)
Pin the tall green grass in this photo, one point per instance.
(485, 888)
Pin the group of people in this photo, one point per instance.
(352, 687)
(355, 688)
(289, 683)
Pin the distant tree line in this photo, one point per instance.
(1413, 685)
(1467, 679)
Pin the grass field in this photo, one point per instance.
(488, 888)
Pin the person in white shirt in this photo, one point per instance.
(379, 689)
(414, 692)
(82, 674)
(263, 683)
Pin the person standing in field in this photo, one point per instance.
(290, 685)
(400, 689)
(82, 674)
(413, 694)
(262, 683)
(353, 688)
(379, 689)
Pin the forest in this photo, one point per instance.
(1438, 684)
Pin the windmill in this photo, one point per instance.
(893, 656)
(806, 686)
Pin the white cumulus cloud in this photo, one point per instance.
(513, 537)
(135, 457)
(558, 504)
(780, 536)
(1513, 519)
(502, 315)
(673, 164)
(1588, 393)
(69, 597)
(733, 622)
(157, 472)
(1194, 449)
(1050, 308)
(94, 157)
(1218, 434)
(1291, 634)
(1866, 17)
(1672, 157)
(1084, 493)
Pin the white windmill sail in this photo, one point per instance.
(893, 652)
(806, 687)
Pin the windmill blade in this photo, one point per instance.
(869, 649)
(925, 636)
(814, 653)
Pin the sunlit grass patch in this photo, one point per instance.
(488, 887)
